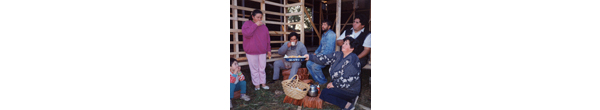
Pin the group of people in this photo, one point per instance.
(345, 65)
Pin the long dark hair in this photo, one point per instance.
(257, 11)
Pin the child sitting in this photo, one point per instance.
(236, 81)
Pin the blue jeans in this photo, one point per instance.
(337, 97)
(316, 72)
(235, 87)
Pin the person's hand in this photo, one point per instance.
(306, 55)
(258, 23)
(289, 44)
(330, 85)
(269, 55)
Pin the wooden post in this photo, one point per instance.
(285, 21)
(338, 14)
(235, 34)
(320, 15)
(302, 21)
(262, 8)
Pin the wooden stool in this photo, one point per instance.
(294, 101)
(237, 94)
(302, 73)
(313, 102)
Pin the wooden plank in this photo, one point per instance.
(236, 47)
(312, 24)
(270, 32)
(293, 4)
(251, 9)
(233, 53)
(271, 19)
(268, 2)
(338, 14)
(293, 14)
(349, 17)
(302, 21)
(308, 4)
(245, 63)
(242, 42)
(285, 21)
(268, 22)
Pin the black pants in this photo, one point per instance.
(337, 97)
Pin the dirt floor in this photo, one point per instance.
(269, 100)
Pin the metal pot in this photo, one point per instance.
(313, 91)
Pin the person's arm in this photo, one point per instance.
(340, 40)
(351, 75)
(283, 49)
(367, 45)
(318, 51)
(231, 79)
(248, 29)
(324, 59)
(242, 77)
(329, 45)
(303, 49)
(268, 39)
(364, 52)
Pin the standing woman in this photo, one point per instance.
(257, 45)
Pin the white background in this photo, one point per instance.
(428, 55)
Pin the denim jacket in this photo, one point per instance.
(327, 45)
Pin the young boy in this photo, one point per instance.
(236, 81)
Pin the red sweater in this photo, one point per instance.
(256, 38)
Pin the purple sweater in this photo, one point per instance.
(256, 38)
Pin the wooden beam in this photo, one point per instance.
(236, 47)
(268, 22)
(251, 9)
(270, 32)
(285, 21)
(302, 21)
(268, 2)
(307, 4)
(272, 19)
(349, 17)
(233, 53)
(294, 4)
(312, 24)
(262, 7)
(338, 14)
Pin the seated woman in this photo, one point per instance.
(344, 88)
(290, 48)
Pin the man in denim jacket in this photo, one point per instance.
(327, 46)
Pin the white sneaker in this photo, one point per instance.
(256, 89)
(266, 87)
(245, 98)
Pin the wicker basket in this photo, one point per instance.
(294, 88)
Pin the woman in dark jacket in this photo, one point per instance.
(344, 88)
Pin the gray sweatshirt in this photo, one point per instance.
(299, 49)
(345, 72)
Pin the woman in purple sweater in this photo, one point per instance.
(257, 45)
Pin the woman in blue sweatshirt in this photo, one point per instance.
(344, 88)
